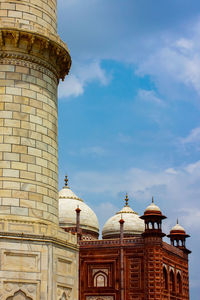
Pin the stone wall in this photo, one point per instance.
(41, 14)
(37, 270)
(28, 136)
(39, 261)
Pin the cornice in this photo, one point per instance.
(36, 48)
(43, 239)
(32, 228)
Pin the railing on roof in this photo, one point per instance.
(111, 242)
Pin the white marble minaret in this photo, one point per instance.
(38, 260)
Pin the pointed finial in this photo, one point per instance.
(126, 200)
(66, 181)
(152, 200)
(177, 221)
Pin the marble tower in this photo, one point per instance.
(38, 259)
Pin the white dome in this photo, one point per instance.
(132, 223)
(152, 207)
(178, 227)
(68, 203)
(66, 193)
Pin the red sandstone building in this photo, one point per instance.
(131, 261)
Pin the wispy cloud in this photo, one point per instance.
(89, 151)
(81, 75)
(173, 185)
(155, 46)
(104, 211)
(94, 150)
(175, 60)
(149, 96)
(191, 218)
(193, 137)
(71, 87)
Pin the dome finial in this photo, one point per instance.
(126, 200)
(177, 221)
(66, 181)
(152, 199)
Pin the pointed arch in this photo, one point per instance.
(150, 225)
(172, 281)
(179, 283)
(64, 296)
(165, 278)
(19, 295)
(100, 279)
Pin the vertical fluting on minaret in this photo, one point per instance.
(32, 60)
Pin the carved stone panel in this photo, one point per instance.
(64, 293)
(19, 295)
(64, 266)
(13, 290)
(20, 261)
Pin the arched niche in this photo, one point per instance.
(179, 283)
(165, 278)
(172, 281)
(100, 279)
(19, 295)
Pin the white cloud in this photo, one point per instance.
(174, 61)
(94, 150)
(72, 86)
(171, 171)
(177, 190)
(81, 75)
(193, 137)
(193, 168)
(104, 211)
(184, 44)
(191, 218)
(149, 96)
(155, 45)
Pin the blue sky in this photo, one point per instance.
(129, 112)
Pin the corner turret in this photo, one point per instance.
(153, 221)
(178, 237)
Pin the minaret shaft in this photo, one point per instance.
(32, 60)
(39, 261)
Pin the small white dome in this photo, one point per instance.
(152, 207)
(66, 193)
(132, 223)
(177, 227)
(68, 203)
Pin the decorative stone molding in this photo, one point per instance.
(33, 230)
(94, 271)
(27, 289)
(29, 62)
(35, 48)
(64, 293)
(32, 27)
